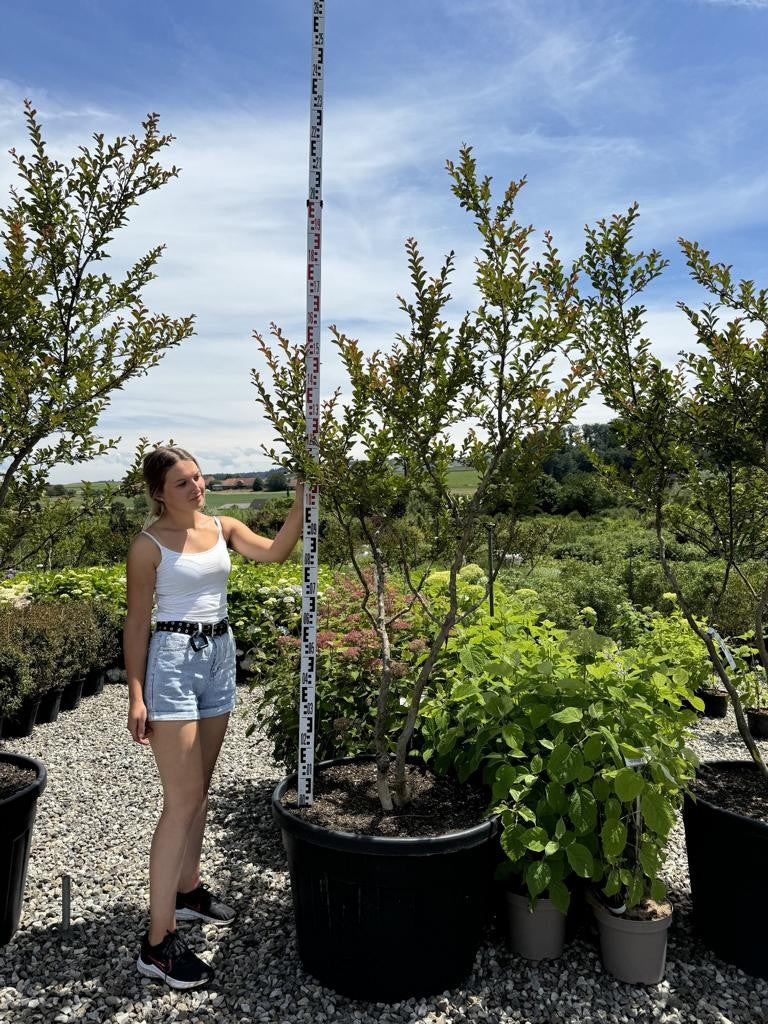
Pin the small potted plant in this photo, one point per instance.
(584, 747)
(753, 692)
(715, 698)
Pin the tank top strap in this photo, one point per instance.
(218, 525)
(154, 539)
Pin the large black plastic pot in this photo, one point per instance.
(23, 721)
(727, 859)
(17, 814)
(73, 692)
(758, 724)
(387, 918)
(50, 705)
(94, 683)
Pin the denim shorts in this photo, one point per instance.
(182, 684)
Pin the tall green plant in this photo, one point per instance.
(482, 393)
(698, 430)
(70, 334)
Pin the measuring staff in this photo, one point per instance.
(312, 370)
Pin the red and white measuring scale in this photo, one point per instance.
(312, 398)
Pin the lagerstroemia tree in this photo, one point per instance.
(698, 430)
(70, 335)
(481, 393)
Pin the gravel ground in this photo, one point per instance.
(95, 822)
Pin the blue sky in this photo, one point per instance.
(598, 103)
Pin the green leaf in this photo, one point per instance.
(582, 810)
(635, 891)
(560, 896)
(593, 748)
(556, 797)
(657, 811)
(628, 784)
(510, 843)
(580, 859)
(568, 716)
(614, 838)
(535, 839)
(613, 883)
(467, 659)
(650, 859)
(601, 788)
(658, 890)
(513, 737)
(537, 877)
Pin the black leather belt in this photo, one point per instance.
(198, 632)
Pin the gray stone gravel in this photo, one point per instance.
(95, 822)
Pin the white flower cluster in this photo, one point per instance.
(15, 594)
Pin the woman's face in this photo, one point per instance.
(184, 487)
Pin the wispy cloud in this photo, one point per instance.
(756, 4)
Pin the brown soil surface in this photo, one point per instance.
(734, 789)
(346, 801)
(13, 778)
(649, 910)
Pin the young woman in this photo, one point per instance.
(181, 682)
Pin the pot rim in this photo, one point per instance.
(337, 839)
(626, 924)
(24, 761)
(543, 902)
(689, 798)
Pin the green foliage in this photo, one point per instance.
(71, 334)
(264, 605)
(550, 719)
(98, 584)
(45, 645)
(698, 431)
(348, 671)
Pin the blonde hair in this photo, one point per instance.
(154, 470)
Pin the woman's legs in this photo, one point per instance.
(211, 733)
(178, 753)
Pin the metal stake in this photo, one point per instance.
(490, 527)
(65, 902)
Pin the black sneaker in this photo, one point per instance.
(201, 905)
(174, 962)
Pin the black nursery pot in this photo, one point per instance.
(94, 683)
(23, 721)
(50, 705)
(17, 813)
(387, 918)
(73, 692)
(758, 724)
(715, 704)
(730, 918)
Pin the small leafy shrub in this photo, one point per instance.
(44, 645)
(97, 583)
(583, 747)
(15, 674)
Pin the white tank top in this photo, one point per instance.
(192, 587)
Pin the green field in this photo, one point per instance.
(462, 481)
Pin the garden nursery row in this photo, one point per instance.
(565, 753)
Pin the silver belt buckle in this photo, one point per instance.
(198, 639)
